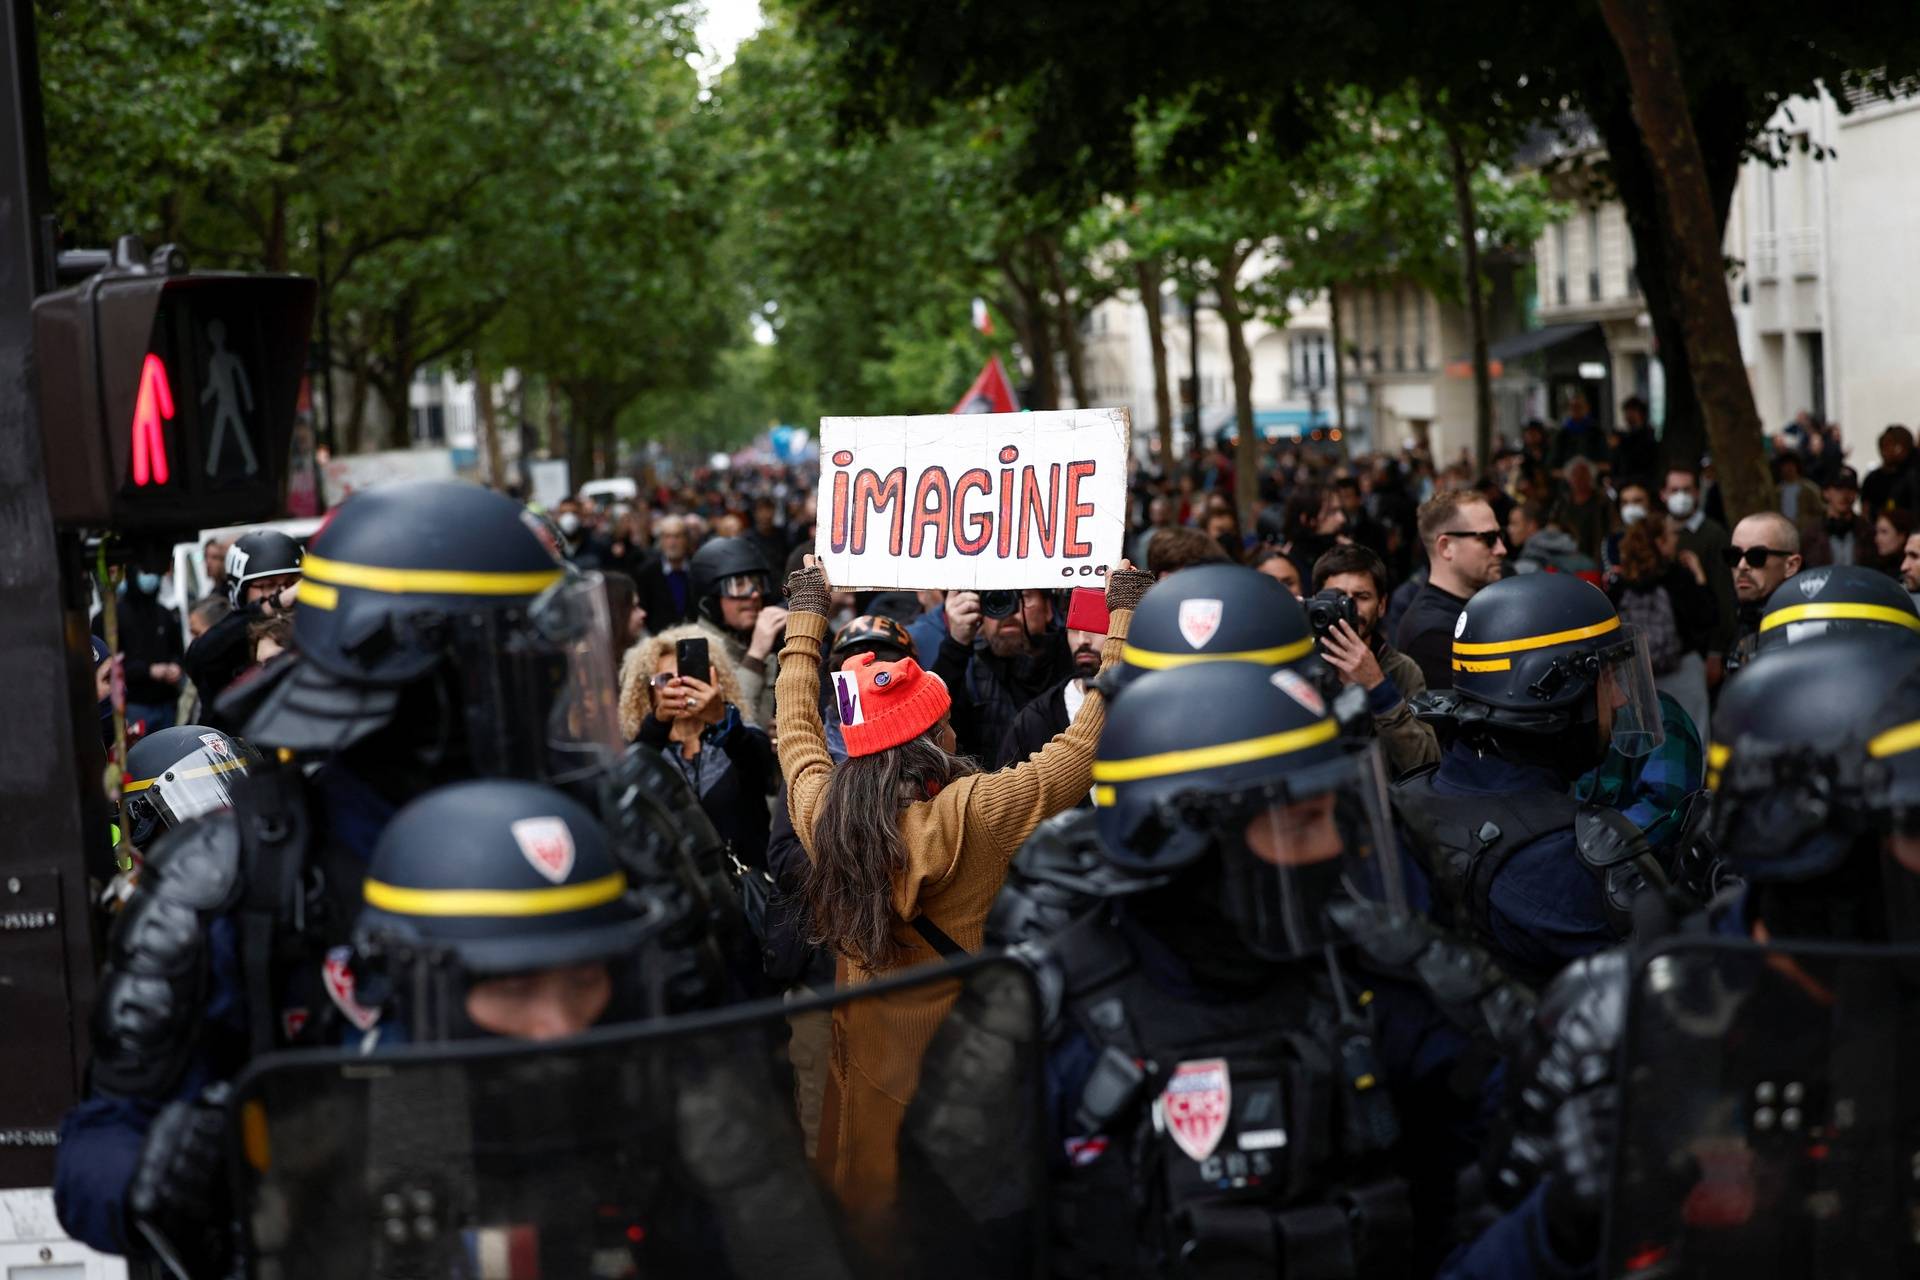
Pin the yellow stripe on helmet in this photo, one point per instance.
(1195, 758)
(317, 594)
(1535, 642)
(205, 771)
(1840, 613)
(444, 582)
(1277, 656)
(1895, 741)
(494, 902)
(1103, 797)
(1490, 664)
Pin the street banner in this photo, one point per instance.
(973, 502)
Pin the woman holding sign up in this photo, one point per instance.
(908, 844)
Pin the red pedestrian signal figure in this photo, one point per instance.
(152, 408)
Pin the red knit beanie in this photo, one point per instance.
(883, 704)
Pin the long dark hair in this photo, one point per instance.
(857, 846)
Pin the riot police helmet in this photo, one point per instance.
(1234, 778)
(436, 607)
(1546, 656)
(727, 569)
(1834, 600)
(497, 879)
(1211, 613)
(258, 555)
(181, 773)
(1815, 769)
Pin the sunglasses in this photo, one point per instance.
(1487, 537)
(1756, 557)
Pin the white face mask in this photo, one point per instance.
(1633, 512)
(1680, 504)
(569, 523)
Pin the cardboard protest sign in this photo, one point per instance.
(973, 502)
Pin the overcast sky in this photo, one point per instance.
(726, 24)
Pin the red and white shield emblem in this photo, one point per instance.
(1196, 1104)
(1199, 619)
(215, 744)
(547, 844)
(337, 976)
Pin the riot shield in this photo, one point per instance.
(669, 1148)
(1768, 1113)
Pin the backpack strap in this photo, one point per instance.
(936, 937)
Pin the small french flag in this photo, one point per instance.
(503, 1253)
(982, 318)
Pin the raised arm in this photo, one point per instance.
(1003, 808)
(804, 761)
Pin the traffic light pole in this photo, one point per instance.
(51, 762)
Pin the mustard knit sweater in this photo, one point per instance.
(958, 846)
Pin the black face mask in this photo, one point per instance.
(1189, 917)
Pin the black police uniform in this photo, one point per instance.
(1816, 760)
(1231, 1090)
(435, 639)
(604, 1157)
(1511, 858)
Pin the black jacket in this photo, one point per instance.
(1038, 723)
(734, 794)
(989, 692)
(1426, 634)
(656, 595)
(149, 633)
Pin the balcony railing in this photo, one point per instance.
(1766, 256)
(1802, 251)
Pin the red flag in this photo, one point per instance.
(990, 392)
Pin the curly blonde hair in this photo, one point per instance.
(638, 667)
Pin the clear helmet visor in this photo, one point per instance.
(201, 782)
(1629, 704)
(741, 586)
(1318, 837)
(583, 728)
(542, 698)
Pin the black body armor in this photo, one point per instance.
(1223, 1139)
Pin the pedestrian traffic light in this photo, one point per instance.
(167, 397)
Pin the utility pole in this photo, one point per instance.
(51, 760)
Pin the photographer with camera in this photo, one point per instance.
(1002, 650)
(1350, 598)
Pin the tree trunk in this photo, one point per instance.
(393, 402)
(1476, 301)
(1645, 37)
(1339, 364)
(1246, 470)
(1035, 326)
(274, 256)
(1067, 317)
(1149, 276)
(489, 427)
(357, 411)
(1720, 123)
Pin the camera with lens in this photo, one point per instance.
(999, 604)
(1328, 607)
